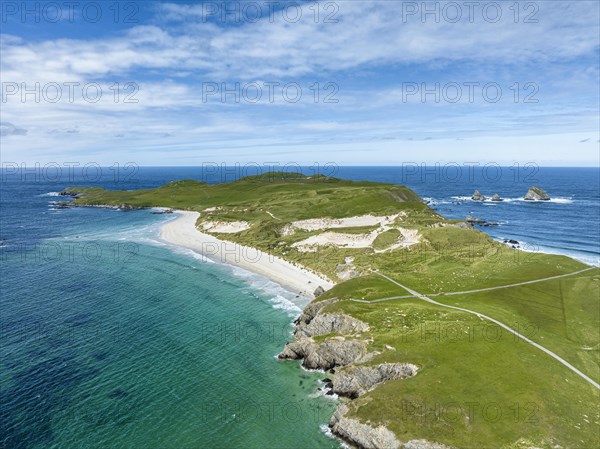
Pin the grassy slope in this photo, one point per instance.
(481, 369)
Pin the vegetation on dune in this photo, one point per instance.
(470, 370)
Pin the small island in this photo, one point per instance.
(422, 324)
(536, 194)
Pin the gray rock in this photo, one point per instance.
(319, 291)
(536, 194)
(311, 311)
(328, 323)
(357, 380)
(361, 435)
(334, 353)
(298, 348)
(326, 355)
(423, 444)
(477, 196)
(471, 219)
(496, 197)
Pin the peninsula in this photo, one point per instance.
(432, 334)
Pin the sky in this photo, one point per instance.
(344, 82)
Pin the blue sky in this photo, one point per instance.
(370, 63)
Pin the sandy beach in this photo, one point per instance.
(182, 231)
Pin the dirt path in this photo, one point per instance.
(504, 326)
(390, 298)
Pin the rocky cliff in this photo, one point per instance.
(344, 354)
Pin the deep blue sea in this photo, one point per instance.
(110, 338)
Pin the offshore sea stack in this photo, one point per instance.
(536, 194)
(477, 196)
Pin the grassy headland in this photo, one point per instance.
(477, 386)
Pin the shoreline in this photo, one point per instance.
(182, 232)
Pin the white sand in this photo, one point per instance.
(343, 240)
(182, 232)
(225, 227)
(336, 239)
(316, 224)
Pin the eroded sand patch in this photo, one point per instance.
(225, 227)
(318, 224)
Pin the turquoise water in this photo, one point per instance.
(125, 343)
(111, 339)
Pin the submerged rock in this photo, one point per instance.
(477, 196)
(536, 194)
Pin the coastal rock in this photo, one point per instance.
(298, 348)
(357, 380)
(67, 192)
(471, 219)
(128, 207)
(163, 211)
(326, 355)
(334, 353)
(424, 444)
(311, 311)
(477, 196)
(331, 323)
(361, 435)
(496, 197)
(319, 291)
(536, 194)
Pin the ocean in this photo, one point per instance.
(110, 338)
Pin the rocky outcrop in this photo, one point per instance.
(361, 435)
(310, 311)
(364, 436)
(328, 323)
(354, 378)
(67, 192)
(477, 196)
(326, 355)
(345, 272)
(162, 211)
(318, 291)
(471, 219)
(496, 197)
(128, 207)
(424, 444)
(357, 380)
(536, 194)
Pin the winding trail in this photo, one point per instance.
(512, 331)
(470, 291)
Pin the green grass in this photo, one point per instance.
(483, 367)
(387, 239)
(469, 371)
